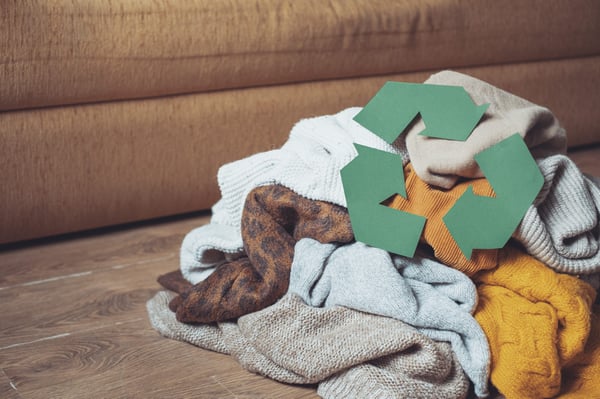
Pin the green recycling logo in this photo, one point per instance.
(475, 222)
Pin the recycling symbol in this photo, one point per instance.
(475, 222)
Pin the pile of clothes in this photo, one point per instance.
(278, 281)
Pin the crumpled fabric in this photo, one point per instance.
(309, 163)
(344, 350)
(274, 218)
(537, 321)
(442, 162)
(434, 298)
(562, 227)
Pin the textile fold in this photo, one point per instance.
(339, 347)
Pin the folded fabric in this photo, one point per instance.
(383, 379)
(442, 162)
(309, 163)
(274, 218)
(295, 343)
(433, 203)
(521, 335)
(536, 322)
(435, 299)
(562, 229)
(593, 179)
(174, 281)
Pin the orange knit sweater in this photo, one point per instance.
(434, 203)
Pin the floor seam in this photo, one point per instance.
(87, 273)
(67, 334)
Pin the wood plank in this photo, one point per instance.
(55, 258)
(86, 302)
(243, 387)
(131, 360)
(7, 388)
(83, 331)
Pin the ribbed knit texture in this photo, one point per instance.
(433, 203)
(308, 163)
(536, 321)
(442, 162)
(432, 297)
(563, 228)
(295, 343)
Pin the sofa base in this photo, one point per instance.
(73, 168)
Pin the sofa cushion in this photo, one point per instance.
(66, 51)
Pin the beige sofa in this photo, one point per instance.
(112, 112)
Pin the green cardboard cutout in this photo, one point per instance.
(488, 222)
(369, 179)
(447, 111)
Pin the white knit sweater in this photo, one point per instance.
(309, 163)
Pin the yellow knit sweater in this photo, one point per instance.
(537, 321)
(581, 379)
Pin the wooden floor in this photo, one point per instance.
(73, 322)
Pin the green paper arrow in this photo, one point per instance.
(447, 111)
(488, 222)
(368, 180)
